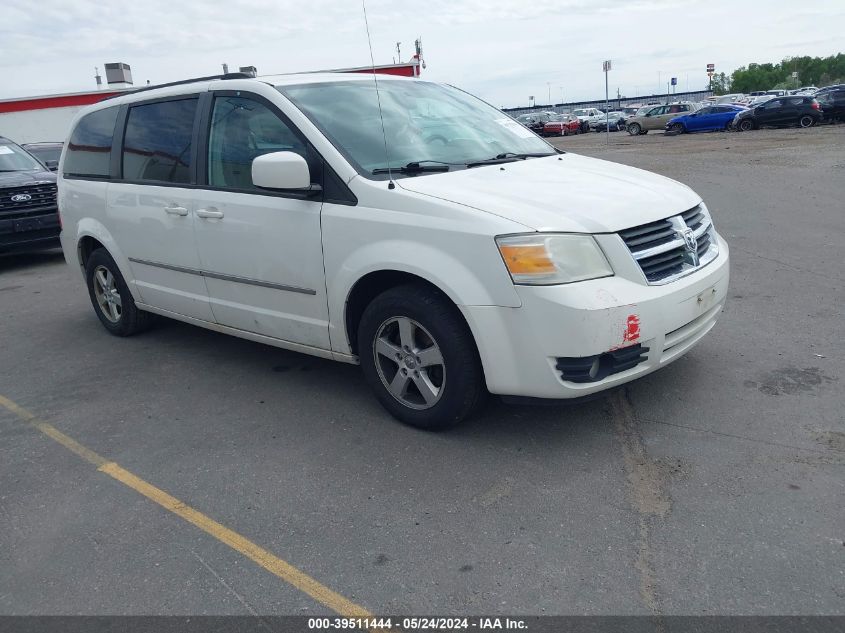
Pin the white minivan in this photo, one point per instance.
(400, 224)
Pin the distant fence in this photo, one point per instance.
(614, 103)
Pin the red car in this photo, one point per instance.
(565, 125)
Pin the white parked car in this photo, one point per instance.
(450, 252)
(590, 115)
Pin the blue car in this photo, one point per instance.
(707, 119)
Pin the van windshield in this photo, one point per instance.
(423, 123)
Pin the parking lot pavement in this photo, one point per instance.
(713, 486)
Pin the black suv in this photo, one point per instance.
(833, 104)
(29, 218)
(789, 110)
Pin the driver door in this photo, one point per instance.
(656, 118)
(701, 119)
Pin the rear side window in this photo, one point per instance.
(157, 143)
(89, 149)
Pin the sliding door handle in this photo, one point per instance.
(210, 212)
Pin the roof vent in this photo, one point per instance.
(118, 75)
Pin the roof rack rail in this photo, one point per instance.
(180, 83)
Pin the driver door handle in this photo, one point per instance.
(176, 210)
(210, 212)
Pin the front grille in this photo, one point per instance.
(41, 198)
(661, 250)
(600, 366)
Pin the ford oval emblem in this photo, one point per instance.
(22, 197)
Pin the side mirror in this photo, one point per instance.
(52, 165)
(281, 170)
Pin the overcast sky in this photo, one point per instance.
(501, 50)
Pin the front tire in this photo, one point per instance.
(746, 125)
(677, 128)
(419, 357)
(111, 298)
(634, 129)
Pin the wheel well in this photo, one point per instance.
(86, 246)
(368, 288)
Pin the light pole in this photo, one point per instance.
(549, 85)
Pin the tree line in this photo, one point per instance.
(811, 71)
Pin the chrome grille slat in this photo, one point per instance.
(660, 250)
(43, 197)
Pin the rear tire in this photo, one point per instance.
(419, 358)
(111, 298)
(806, 121)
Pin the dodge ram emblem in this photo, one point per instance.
(691, 244)
(22, 197)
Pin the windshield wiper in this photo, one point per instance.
(506, 157)
(413, 168)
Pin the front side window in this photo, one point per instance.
(243, 129)
(89, 148)
(157, 143)
(423, 122)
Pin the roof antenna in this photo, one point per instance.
(390, 184)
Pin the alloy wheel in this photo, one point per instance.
(107, 294)
(409, 363)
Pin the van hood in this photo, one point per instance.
(566, 192)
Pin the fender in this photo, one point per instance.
(461, 284)
(90, 227)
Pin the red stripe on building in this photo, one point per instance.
(63, 101)
(401, 71)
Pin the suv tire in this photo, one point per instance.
(634, 129)
(413, 341)
(111, 298)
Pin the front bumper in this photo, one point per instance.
(521, 348)
(30, 232)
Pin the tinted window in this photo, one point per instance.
(157, 144)
(89, 148)
(45, 153)
(708, 110)
(241, 131)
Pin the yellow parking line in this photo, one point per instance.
(241, 544)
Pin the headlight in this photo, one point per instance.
(543, 259)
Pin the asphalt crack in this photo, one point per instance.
(647, 493)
